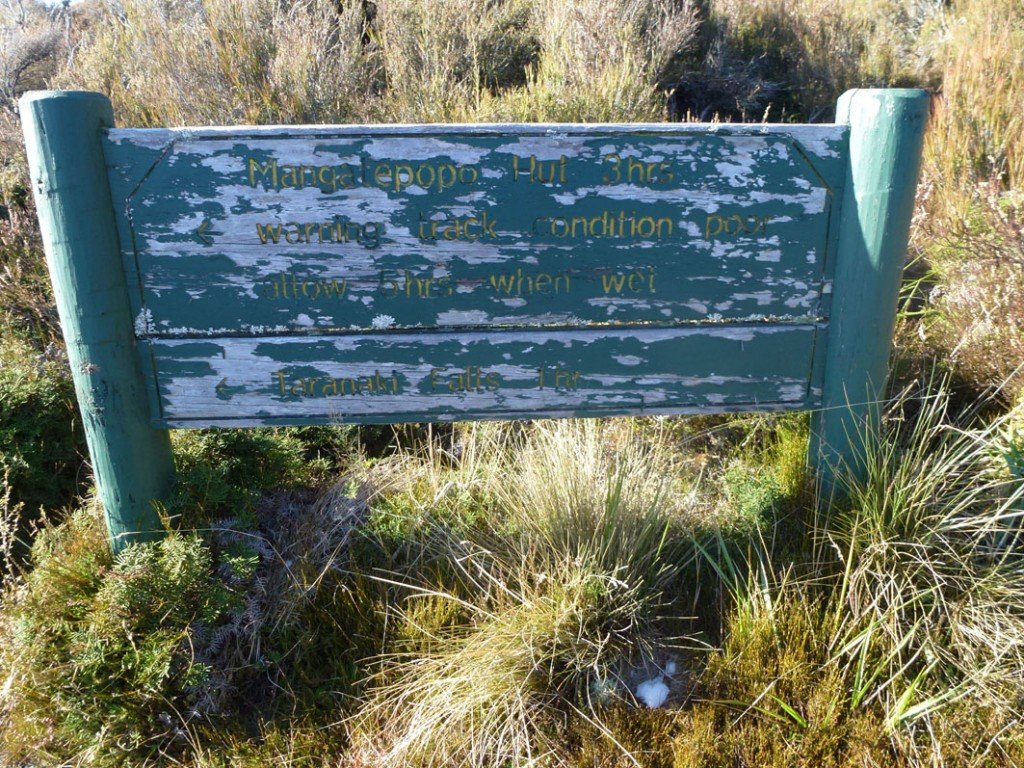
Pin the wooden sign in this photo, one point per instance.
(411, 274)
(303, 275)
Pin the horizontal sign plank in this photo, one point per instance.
(257, 232)
(393, 377)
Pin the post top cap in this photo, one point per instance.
(30, 97)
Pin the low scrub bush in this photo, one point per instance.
(42, 444)
(968, 304)
(968, 229)
(98, 652)
(782, 61)
(27, 311)
(221, 473)
(417, 61)
(30, 40)
(219, 62)
(497, 594)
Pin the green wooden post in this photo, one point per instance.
(886, 138)
(132, 461)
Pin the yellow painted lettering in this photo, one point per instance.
(718, 223)
(265, 170)
(268, 233)
(428, 181)
(616, 168)
(289, 178)
(446, 177)
(613, 283)
(403, 177)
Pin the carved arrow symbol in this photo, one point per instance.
(201, 233)
(219, 389)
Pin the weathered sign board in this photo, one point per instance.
(287, 276)
(303, 275)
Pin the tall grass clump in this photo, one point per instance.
(575, 582)
(970, 226)
(933, 564)
(899, 641)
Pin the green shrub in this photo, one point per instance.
(767, 482)
(98, 651)
(753, 492)
(42, 444)
(223, 472)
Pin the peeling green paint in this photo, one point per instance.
(472, 375)
(530, 226)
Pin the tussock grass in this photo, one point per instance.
(933, 567)
(891, 635)
(553, 606)
(485, 695)
(905, 618)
